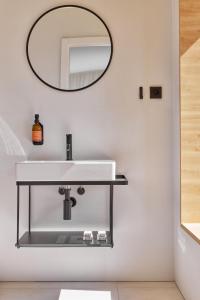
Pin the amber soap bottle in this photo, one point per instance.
(37, 132)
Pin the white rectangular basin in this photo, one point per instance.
(77, 170)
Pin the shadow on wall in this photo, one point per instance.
(11, 149)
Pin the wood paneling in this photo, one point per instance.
(190, 110)
(189, 23)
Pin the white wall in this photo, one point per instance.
(187, 251)
(107, 120)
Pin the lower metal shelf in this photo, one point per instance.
(66, 238)
(61, 239)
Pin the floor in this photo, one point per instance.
(119, 290)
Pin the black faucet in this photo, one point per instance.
(68, 146)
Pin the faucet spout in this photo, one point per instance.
(68, 146)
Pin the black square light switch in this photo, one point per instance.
(155, 92)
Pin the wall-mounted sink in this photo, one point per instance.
(76, 170)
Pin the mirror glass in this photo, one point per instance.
(69, 48)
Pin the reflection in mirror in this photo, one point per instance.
(83, 60)
(69, 48)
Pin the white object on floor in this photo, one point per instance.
(84, 295)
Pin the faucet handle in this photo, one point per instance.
(61, 190)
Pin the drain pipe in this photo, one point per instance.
(68, 202)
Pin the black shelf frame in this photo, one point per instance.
(64, 238)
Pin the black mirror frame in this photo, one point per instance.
(27, 48)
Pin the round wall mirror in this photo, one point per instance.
(69, 48)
